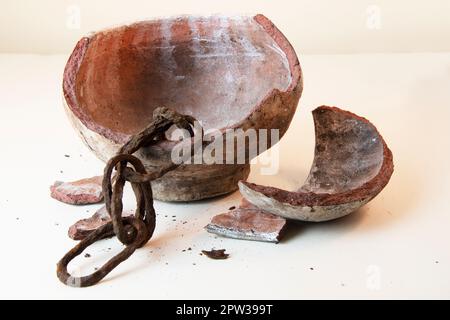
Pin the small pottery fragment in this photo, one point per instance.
(85, 191)
(248, 222)
(82, 228)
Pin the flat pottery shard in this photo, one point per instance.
(84, 227)
(85, 191)
(352, 164)
(249, 223)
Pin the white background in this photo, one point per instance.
(395, 247)
(313, 26)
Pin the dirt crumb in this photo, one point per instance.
(216, 254)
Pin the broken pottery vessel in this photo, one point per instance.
(228, 72)
(352, 164)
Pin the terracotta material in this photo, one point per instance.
(82, 228)
(352, 164)
(248, 222)
(227, 72)
(85, 191)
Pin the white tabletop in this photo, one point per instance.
(396, 247)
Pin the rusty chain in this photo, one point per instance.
(135, 231)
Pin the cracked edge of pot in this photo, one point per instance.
(315, 213)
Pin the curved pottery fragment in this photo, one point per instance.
(352, 164)
(228, 72)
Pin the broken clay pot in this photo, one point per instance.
(227, 72)
(352, 164)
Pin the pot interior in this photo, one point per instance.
(216, 69)
(349, 152)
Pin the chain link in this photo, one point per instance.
(134, 232)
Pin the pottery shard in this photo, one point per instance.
(85, 191)
(249, 223)
(84, 227)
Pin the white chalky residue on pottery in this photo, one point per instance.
(167, 47)
(196, 37)
(232, 56)
(250, 49)
(80, 189)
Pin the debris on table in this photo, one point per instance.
(216, 254)
(85, 191)
(84, 227)
(249, 223)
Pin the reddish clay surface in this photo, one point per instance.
(218, 69)
(82, 228)
(85, 191)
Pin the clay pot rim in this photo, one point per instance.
(76, 58)
(311, 199)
